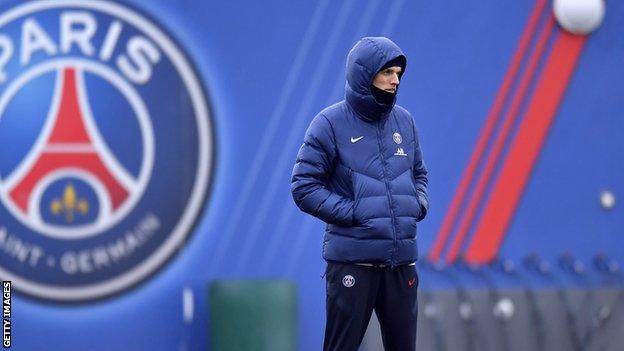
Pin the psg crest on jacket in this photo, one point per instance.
(105, 148)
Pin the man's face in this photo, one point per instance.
(388, 79)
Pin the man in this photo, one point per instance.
(360, 169)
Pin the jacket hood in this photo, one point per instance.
(365, 59)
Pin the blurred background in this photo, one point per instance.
(147, 146)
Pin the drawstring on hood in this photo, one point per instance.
(366, 58)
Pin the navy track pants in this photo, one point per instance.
(353, 291)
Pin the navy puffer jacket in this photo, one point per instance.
(360, 169)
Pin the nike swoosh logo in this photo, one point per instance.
(355, 140)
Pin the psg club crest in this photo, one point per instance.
(105, 148)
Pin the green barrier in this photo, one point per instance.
(253, 315)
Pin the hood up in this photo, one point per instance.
(365, 59)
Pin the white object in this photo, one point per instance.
(579, 16)
(465, 311)
(432, 310)
(607, 200)
(187, 304)
(504, 308)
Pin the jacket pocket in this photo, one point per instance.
(413, 183)
(360, 209)
(340, 181)
(354, 197)
(418, 206)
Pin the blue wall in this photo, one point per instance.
(268, 67)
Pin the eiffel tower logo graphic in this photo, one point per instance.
(69, 145)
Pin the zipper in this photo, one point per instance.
(384, 163)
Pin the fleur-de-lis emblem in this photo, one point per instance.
(69, 204)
